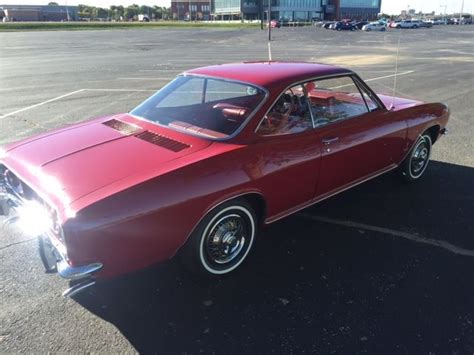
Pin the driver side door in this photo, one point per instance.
(289, 154)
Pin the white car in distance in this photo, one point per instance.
(374, 26)
(409, 24)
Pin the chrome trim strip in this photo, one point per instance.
(71, 291)
(312, 202)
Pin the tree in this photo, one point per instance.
(131, 11)
(53, 3)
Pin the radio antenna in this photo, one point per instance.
(392, 106)
(269, 18)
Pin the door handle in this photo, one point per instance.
(328, 141)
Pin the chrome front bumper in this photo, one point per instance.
(53, 259)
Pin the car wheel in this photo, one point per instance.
(368, 30)
(417, 160)
(415, 26)
(222, 240)
(383, 29)
(399, 26)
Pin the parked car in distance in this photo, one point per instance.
(374, 26)
(327, 24)
(344, 26)
(394, 24)
(427, 24)
(360, 24)
(194, 171)
(409, 24)
(436, 22)
(274, 24)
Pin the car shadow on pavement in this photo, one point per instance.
(317, 287)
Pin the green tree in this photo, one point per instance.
(131, 11)
(53, 3)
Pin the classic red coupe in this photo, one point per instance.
(201, 165)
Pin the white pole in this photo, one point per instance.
(67, 12)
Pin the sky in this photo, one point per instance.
(388, 6)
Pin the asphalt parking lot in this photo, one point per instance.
(383, 268)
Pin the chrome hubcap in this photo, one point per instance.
(226, 239)
(420, 158)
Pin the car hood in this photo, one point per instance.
(99, 157)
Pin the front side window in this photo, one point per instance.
(290, 114)
(207, 107)
(336, 99)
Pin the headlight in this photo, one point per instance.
(3, 153)
(33, 218)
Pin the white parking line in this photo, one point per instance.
(70, 94)
(390, 76)
(122, 90)
(145, 78)
(42, 103)
(373, 79)
(438, 243)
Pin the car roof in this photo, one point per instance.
(269, 74)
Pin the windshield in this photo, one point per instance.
(208, 107)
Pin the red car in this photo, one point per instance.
(199, 167)
(275, 24)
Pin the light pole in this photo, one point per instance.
(444, 13)
(67, 12)
(460, 14)
(269, 20)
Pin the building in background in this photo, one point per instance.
(38, 13)
(287, 10)
(296, 10)
(359, 9)
(194, 10)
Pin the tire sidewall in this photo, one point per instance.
(195, 258)
(408, 170)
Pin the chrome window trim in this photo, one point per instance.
(237, 131)
(372, 94)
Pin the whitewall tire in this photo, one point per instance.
(222, 240)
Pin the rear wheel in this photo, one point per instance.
(417, 160)
(222, 240)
